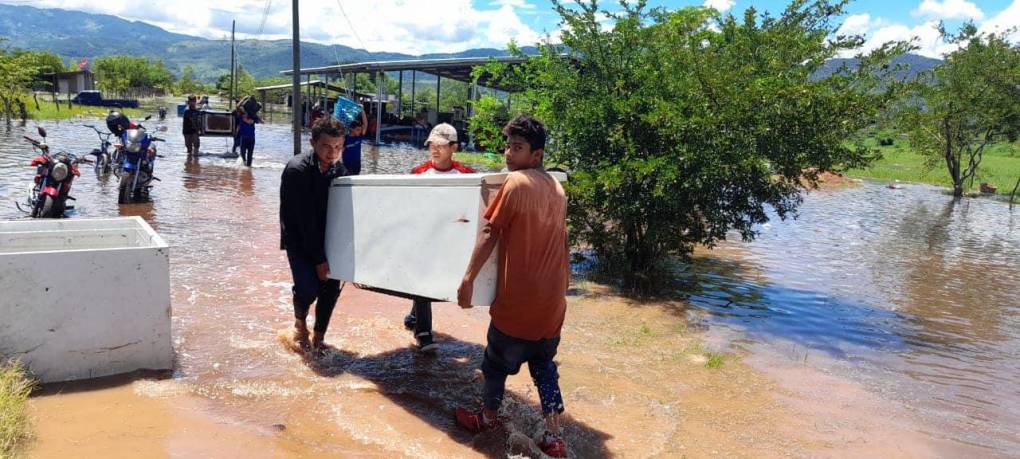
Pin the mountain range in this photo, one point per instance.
(74, 35)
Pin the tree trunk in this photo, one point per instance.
(952, 160)
(1012, 196)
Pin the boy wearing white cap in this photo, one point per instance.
(442, 143)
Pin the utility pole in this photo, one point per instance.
(296, 79)
(233, 66)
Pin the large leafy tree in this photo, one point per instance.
(122, 73)
(967, 103)
(681, 126)
(17, 70)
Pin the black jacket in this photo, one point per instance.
(192, 123)
(304, 191)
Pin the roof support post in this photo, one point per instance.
(379, 83)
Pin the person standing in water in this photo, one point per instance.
(442, 143)
(527, 218)
(304, 191)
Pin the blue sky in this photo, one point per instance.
(427, 26)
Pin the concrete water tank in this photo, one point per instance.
(84, 298)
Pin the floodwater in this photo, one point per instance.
(882, 323)
(910, 293)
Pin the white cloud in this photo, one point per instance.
(1007, 19)
(720, 5)
(949, 9)
(858, 24)
(523, 4)
(925, 36)
(405, 26)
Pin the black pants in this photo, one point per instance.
(247, 149)
(421, 310)
(309, 289)
(504, 356)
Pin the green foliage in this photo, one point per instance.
(1000, 164)
(490, 115)
(120, 73)
(187, 83)
(969, 102)
(244, 83)
(42, 61)
(15, 387)
(17, 70)
(680, 126)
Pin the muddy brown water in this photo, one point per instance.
(882, 323)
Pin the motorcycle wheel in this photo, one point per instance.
(43, 207)
(125, 191)
(102, 163)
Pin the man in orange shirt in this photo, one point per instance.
(528, 220)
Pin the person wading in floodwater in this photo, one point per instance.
(442, 143)
(191, 127)
(304, 190)
(527, 218)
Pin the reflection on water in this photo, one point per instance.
(907, 290)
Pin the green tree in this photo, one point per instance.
(680, 126)
(486, 125)
(244, 83)
(969, 102)
(43, 61)
(187, 83)
(17, 70)
(121, 73)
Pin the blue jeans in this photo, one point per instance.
(309, 289)
(504, 356)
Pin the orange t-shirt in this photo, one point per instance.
(530, 214)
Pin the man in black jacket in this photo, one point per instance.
(192, 126)
(304, 190)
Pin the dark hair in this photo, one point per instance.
(329, 126)
(356, 123)
(528, 127)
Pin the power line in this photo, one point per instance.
(265, 16)
(349, 24)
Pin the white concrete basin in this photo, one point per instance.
(84, 298)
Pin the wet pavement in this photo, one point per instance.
(883, 322)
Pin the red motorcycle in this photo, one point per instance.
(54, 174)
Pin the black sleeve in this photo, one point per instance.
(296, 196)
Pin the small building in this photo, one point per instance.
(72, 82)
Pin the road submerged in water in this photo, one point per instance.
(881, 323)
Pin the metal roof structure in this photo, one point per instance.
(457, 69)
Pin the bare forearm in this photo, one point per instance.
(484, 246)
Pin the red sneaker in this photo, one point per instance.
(553, 445)
(473, 421)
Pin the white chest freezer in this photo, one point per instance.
(411, 234)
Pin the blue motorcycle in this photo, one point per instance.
(138, 152)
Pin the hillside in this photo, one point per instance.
(75, 35)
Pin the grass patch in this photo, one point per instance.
(15, 386)
(49, 111)
(1000, 165)
(714, 360)
(484, 161)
